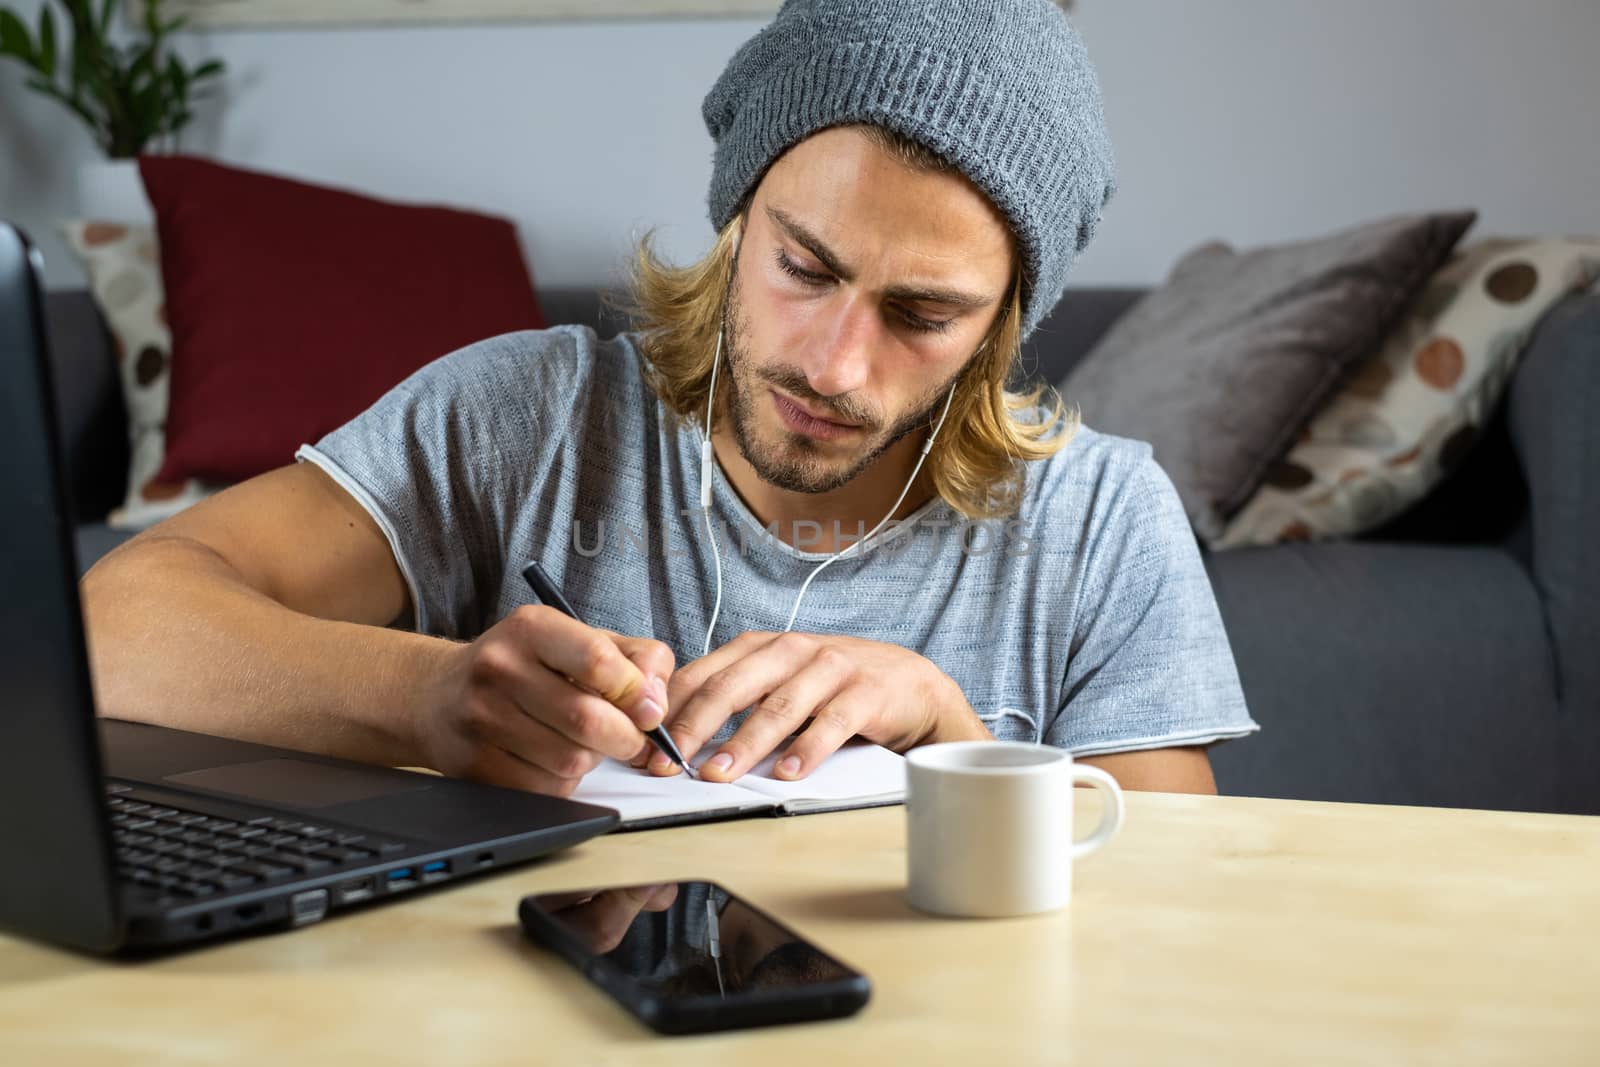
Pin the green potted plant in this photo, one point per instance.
(126, 87)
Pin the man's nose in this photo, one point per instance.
(841, 361)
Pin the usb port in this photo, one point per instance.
(353, 892)
(401, 878)
(436, 871)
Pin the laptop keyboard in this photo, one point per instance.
(187, 855)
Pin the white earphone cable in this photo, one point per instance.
(705, 494)
(926, 448)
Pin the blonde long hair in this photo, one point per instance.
(976, 463)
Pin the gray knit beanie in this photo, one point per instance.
(1003, 89)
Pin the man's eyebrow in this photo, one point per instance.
(915, 293)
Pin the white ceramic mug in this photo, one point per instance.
(989, 826)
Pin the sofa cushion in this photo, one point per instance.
(1222, 367)
(294, 307)
(1414, 409)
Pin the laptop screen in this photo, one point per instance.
(53, 828)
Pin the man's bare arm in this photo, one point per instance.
(1161, 770)
(258, 614)
(261, 614)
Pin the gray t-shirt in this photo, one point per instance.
(1085, 620)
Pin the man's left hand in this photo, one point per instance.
(845, 686)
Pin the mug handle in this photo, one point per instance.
(1110, 818)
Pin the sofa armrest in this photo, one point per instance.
(1553, 404)
(1396, 674)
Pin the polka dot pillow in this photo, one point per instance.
(1412, 410)
(124, 269)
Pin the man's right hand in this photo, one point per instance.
(539, 699)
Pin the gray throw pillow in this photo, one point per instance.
(1221, 368)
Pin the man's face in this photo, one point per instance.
(861, 289)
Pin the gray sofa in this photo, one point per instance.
(1452, 658)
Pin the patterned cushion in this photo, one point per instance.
(1414, 408)
(1223, 366)
(123, 265)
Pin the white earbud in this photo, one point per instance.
(705, 502)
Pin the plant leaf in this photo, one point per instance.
(77, 66)
(143, 65)
(47, 42)
(14, 38)
(88, 71)
(142, 124)
(126, 87)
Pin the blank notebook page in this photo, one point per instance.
(638, 795)
(858, 775)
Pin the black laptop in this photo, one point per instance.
(124, 836)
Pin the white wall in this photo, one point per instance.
(1250, 120)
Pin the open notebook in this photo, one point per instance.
(859, 775)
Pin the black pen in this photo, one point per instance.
(546, 590)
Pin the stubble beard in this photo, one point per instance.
(796, 462)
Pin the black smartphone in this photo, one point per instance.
(689, 957)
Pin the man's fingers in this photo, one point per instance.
(591, 658)
(653, 658)
(496, 766)
(686, 682)
(662, 897)
(776, 716)
(546, 747)
(582, 718)
(688, 678)
(606, 918)
(656, 660)
(518, 705)
(836, 721)
(735, 687)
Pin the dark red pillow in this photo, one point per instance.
(293, 307)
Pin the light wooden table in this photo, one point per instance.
(1214, 930)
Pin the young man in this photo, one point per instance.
(898, 189)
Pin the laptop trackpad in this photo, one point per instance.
(299, 783)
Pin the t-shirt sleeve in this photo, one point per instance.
(437, 462)
(1150, 665)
